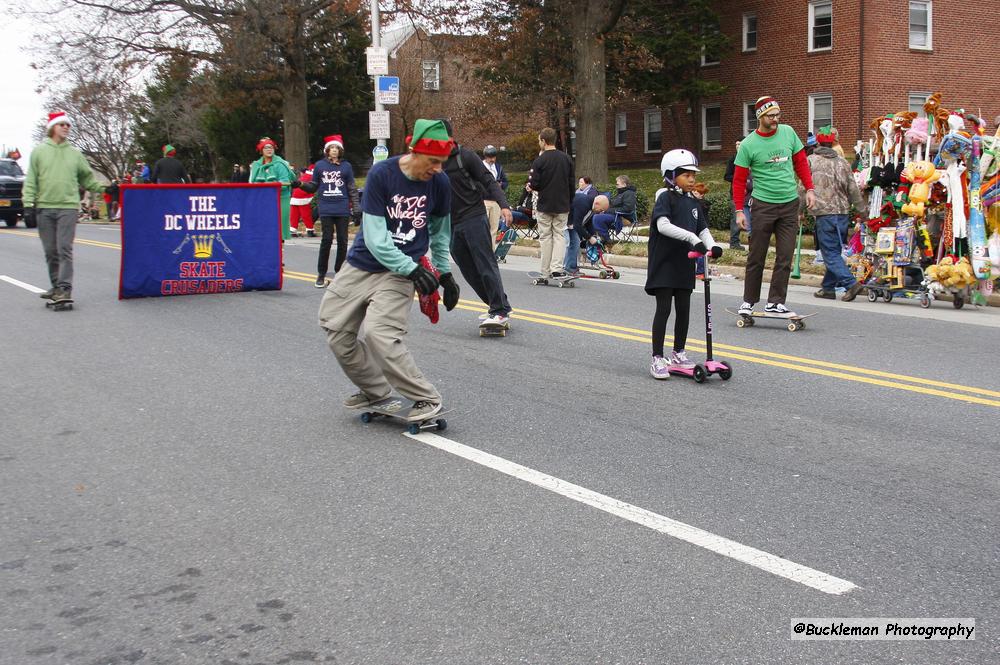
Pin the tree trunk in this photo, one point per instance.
(294, 109)
(589, 80)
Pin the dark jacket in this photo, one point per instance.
(582, 203)
(470, 184)
(168, 170)
(501, 178)
(731, 173)
(552, 177)
(668, 263)
(624, 201)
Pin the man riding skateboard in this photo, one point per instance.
(773, 155)
(406, 210)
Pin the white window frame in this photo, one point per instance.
(919, 108)
(748, 113)
(621, 129)
(704, 127)
(432, 67)
(929, 5)
(812, 23)
(756, 33)
(645, 130)
(812, 109)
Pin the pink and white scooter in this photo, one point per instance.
(700, 372)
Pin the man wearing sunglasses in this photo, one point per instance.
(56, 173)
(773, 156)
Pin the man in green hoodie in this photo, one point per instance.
(56, 172)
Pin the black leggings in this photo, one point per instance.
(682, 298)
(331, 223)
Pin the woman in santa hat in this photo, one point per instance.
(338, 200)
(272, 168)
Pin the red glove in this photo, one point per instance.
(429, 304)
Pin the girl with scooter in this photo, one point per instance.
(679, 226)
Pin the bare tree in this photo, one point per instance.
(268, 37)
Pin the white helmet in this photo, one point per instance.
(678, 158)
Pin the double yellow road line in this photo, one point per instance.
(971, 394)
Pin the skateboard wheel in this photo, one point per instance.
(699, 374)
(442, 424)
(792, 327)
(872, 295)
(414, 428)
(366, 417)
(741, 323)
(726, 373)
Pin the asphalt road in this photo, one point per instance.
(179, 483)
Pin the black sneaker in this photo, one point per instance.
(823, 293)
(779, 309)
(558, 275)
(311, 233)
(321, 282)
(852, 292)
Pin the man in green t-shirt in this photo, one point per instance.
(773, 155)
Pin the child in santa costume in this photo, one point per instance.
(301, 205)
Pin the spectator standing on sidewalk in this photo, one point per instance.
(471, 235)
(168, 170)
(836, 192)
(493, 204)
(773, 155)
(407, 207)
(552, 178)
(337, 196)
(56, 172)
(734, 229)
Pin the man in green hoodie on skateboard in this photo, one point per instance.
(56, 173)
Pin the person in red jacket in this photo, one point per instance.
(301, 206)
(773, 155)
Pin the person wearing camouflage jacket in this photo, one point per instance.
(836, 192)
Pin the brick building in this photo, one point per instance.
(843, 62)
(436, 81)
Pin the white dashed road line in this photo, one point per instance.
(704, 539)
(23, 285)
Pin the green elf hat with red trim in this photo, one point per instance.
(826, 135)
(430, 137)
(169, 150)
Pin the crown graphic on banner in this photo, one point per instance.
(203, 246)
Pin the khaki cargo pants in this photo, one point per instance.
(377, 361)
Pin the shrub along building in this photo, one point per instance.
(840, 62)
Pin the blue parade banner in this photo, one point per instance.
(189, 239)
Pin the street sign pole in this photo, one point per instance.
(377, 44)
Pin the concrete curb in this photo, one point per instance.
(739, 272)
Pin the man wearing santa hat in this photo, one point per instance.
(56, 173)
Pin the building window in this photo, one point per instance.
(652, 131)
(820, 26)
(711, 127)
(920, 25)
(820, 111)
(710, 57)
(749, 118)
(431, 70)
(749, 32)
(915, 102)
(620, 129)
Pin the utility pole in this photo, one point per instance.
(376, 43)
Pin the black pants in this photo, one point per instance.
(472, 250)
(329, 222)
(681, 298)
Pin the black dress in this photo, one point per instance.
(669, 265)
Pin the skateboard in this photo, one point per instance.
(538, 278)
(506, 240)
(493, 329)
(399, 408)
(747, 321)
(59, 305)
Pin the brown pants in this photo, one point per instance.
(782, 220)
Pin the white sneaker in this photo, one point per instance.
(497, 320)
(779, 309)
(659, 368)
(680, 360)
(745, 308)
